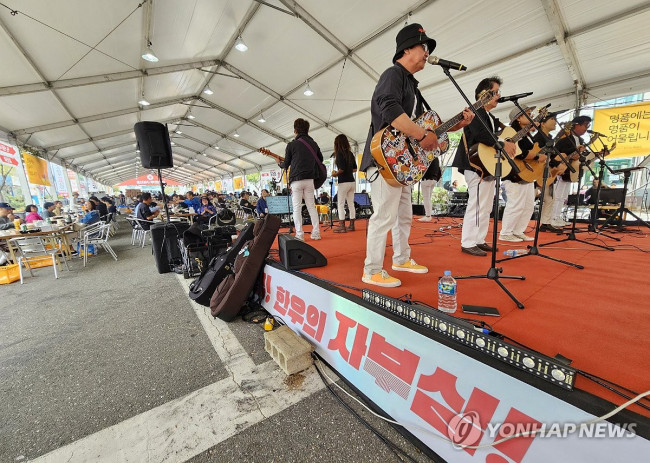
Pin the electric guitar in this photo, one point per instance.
(482, 157)
(401, 159)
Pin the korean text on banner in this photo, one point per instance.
(9, 155)
(628, 126)
(36, 169)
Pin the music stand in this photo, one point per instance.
(622, 209)
(493, 272)
(533, 250)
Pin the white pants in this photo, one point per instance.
(346, 193)
(547, 208)
(561, 193)
(479, 206)
(519, 207)
(392, 210)
(304, 189)
(427, 188)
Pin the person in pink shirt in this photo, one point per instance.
(31, 214)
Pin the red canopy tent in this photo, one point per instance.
(147, 180)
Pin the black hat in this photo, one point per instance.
(410, 36)
(5, 206)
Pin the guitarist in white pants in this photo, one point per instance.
(480, 189)
(394, 102)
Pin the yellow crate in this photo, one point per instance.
(9, 274)
(38, 262)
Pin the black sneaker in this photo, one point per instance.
(545, 227)
(474, 251)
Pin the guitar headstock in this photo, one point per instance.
(265, 151)
(485, 96)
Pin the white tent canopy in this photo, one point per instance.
(73, 74)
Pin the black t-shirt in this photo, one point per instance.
(346, 163)
(244, 203)
(143, 213)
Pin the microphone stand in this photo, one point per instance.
(162, 190)
(571, 236)
(494, 271)
(331, 204)
(533, 250)
(593, 226)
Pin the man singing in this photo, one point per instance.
(396, 101)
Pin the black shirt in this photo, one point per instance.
(475, 133)
(102, 209)
(346, 163)
(244, 203)
(300, 159)
(143, 213)
(433, 172)
(568, 145)
(395, 94)
(540, 139)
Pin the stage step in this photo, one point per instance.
(289, 350)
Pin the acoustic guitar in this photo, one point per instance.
(271, 154)
(483, 157)
(401, 159)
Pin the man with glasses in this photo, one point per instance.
(396, 101)
(481, 190)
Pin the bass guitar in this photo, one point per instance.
(401, 159)
(482, 157)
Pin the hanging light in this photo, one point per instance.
(236, 135)
(178, 131)
(190, 115)
(240, 45)
(261, 118)
(308, 91)
(149, 55)
(207, 90)
(216, 147)
(173, 144)
(204, 154)
(143, 101)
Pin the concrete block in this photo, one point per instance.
(289, 350)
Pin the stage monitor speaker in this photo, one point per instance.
(296, 254)
(155, 145)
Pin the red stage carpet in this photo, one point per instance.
(599, 317)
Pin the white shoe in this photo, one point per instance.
(558, 223)
(315, 237)
(510, 238)
(424, 219)
(300, 237)
(524, 237)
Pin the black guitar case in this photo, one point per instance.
(233, 291)
(203, 287)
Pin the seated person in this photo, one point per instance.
(221, 200)
(206, 210)
(7, 217)
(145, 214)
(91, 216)
(245, 204)
(58, 208)
(324, 198)
(261, 207)
(99, 207)
(48, 210)
(192, 201)
(31, 214)
(110, 205)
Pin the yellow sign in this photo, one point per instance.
(238, 183)
(628, 126)
(36, 169)
(217, 186)
(360, 174)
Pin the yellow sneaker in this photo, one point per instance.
(410, 266)
(381, 279)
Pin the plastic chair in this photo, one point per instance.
(31, 248)
(142, 232)
(97, 238)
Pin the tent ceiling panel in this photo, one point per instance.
(355, 128)
(72, 151)
(18, 111)
(280, 48)
(57, 136)
(164, 113)
(192, 145)
(215, 119)
(280, 118)
(219, 156)
(236, 95)
(89, 100)
(259, 159)
(15, 68)
(254, 137)
(200, 29)
(580, 13)
(631, 48)
(165, 86)
(129, 137)
(197, 132)
(110, 125)
(337, 92)
(233, 147)
(336, 17)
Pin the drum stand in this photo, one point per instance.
(493, 272)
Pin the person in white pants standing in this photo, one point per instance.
(428, 182)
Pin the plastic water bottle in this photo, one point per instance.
(515, 252)
(447, 293)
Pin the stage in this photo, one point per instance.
(596, 317)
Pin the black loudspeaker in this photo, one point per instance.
(296, 254)
(155, 145)
(164, 243)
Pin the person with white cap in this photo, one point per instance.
(396, 100)
(521, 195)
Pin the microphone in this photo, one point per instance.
(446, 64)
(598, 134)
(503, 99)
